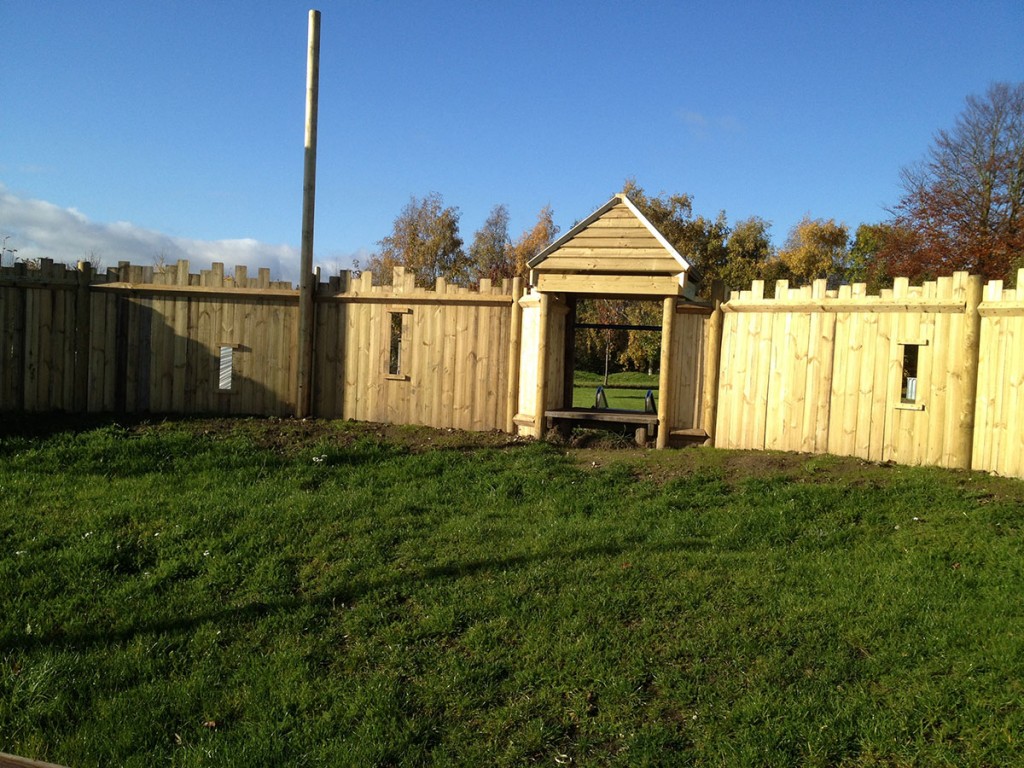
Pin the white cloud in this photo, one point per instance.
(39, 229)
(701, 126)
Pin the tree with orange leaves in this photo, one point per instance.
(963, 205)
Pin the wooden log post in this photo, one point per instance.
(307, 306)
(712, 362)
(964, 444)
(668, 316)
(515, 344)
(83, 311)
(542, 364)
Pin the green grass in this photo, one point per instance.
(585, 386)
(194, 594)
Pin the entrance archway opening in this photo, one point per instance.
(614, 360)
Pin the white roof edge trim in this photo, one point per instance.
(619, 198)
(657, 235)
(573, 232)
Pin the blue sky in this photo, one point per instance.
(134, 129)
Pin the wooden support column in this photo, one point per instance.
(964, 445)
(668, 315)
(542, 363)
(569, 352)
(712, 362)
(307, 306)
(515, 344)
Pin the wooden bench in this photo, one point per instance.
(646, 423)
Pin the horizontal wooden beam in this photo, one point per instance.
(389, 297)
(609, 415)
(618, 327)
(206, 291)
(611, 285)
(864, 304)
(72, 285)
(1001, 308)
(424, 297)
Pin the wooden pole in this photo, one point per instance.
(712, 362)
(515, 344)
(306, 287)
(542, 364)
(972, 350)
(668, 316)
(83, 313)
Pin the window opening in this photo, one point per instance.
(224, 378)
(908, 387)
(396, 334)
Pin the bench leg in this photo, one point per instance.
(641, 436)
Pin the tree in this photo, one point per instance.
(491, 252)
(425, 240)
(533, 241)
(698, 239)
(865, 264)
(964, 201)
(815, 249)
(748, 248)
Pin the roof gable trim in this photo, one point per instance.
(619, 198)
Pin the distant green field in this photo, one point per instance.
(267, 592)
(585, 386)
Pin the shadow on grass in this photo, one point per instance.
(80, 641)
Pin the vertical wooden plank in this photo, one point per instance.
(30, 380)
(514, 352)
(1010, 373)
(180, 341)
(779, 360)
(865, 380)
(842, 365)
(733, 380)
(938, 402)
(83, 317)
(58, 345)
(824, 362)
(377, 364)
(762, 355)
(797, 344)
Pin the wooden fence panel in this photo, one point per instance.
(999, 421)
(810, 369)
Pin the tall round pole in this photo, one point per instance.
(306, 287)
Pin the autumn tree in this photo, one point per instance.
(698, 239)
(870, 241)
(425, 240)
(533, 241)
(748, 248)
(964, 201)
(491, 251)
(816, 249)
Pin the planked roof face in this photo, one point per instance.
(615, 239)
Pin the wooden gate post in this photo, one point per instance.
(713, 361)
(668, 316)
(542, 363)
(515, 343)
(964, 444)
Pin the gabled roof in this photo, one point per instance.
(616, 237)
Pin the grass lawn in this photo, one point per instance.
(585, 386)
(270, 592)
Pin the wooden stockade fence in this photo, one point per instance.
(145, 340)
(925, 374)
(930, 374)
